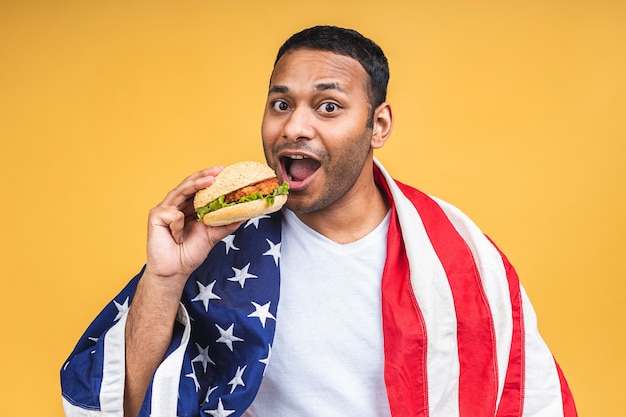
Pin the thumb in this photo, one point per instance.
(217, 233)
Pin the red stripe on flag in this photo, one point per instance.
(569, 408)
(403, 328)
(512, 400)
(475, 331)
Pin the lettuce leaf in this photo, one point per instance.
(219, 203)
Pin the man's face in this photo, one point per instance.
(314, 129)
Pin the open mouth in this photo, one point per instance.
(298, 168)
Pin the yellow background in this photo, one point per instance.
(512, 110)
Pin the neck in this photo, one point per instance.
(352, 217)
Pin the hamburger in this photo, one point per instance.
(240, 192)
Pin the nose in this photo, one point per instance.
(299, 125)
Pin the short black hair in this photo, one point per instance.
(350, 43)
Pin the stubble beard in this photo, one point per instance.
(341, 173)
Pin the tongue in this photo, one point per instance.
(300, 169)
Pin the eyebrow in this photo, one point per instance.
(279, 89)
(283, 89)
(328, 86)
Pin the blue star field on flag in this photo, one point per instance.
(231, 302)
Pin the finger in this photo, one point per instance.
(190, 185)
(166, 218)
(177, 227)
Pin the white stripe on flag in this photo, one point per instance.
(491, 271)
(167, 376)
(71, 410)
(542, 395)
(114, 369)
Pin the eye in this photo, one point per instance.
(328, 107)
(280, 105)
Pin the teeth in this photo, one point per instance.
(296, 156)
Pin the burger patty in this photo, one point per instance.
(265, 187)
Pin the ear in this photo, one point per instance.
(383, 124)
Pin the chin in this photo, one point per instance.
(296, 206)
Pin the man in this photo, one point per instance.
(391, 303)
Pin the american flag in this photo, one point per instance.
(461, 337)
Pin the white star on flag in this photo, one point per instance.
(121, 309)
(229, 241)
(206, 294)
(219, 411)
(193, 376)
(266, 361)
(262, 312)
(274, 251)
(94, 340)
(255, 221)
(241, 275)
(237, 379)
(227, 337)
(203, 357)
(208, 393)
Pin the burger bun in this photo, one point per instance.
(243, 211)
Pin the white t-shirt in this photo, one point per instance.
(327, 356)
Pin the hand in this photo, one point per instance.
(177, 242)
